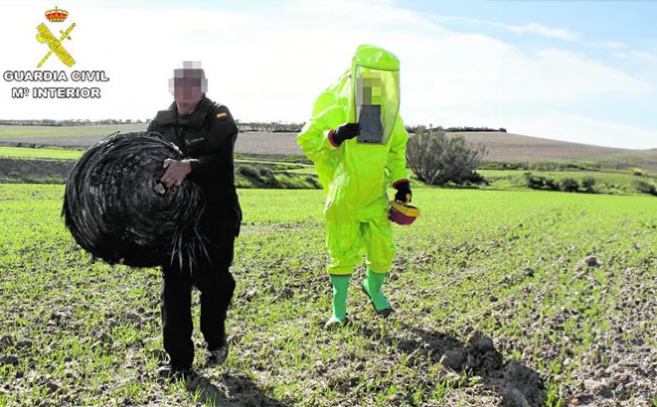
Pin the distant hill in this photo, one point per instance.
(515, 147)
(501, 146)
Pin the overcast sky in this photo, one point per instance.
(583, 71)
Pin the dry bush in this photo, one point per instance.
(437, 159)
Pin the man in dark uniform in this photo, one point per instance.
(205, 132)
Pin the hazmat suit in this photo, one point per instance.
(356, 171)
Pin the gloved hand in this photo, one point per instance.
(345, 132)
(404, 194)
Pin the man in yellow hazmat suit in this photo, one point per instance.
(357, 141)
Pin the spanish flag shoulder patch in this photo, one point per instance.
(222, 115)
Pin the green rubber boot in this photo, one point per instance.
(340, 287)
(372, 288)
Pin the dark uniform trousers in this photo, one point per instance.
(213, 279)
(207, 137)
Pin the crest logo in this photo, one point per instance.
(45, 36)
(56, 15)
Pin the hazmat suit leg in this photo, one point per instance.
(380, 250)
(344, 241)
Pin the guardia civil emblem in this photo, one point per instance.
(55, 45)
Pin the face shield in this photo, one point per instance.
(376, 103)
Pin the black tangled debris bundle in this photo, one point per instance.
(116, 208)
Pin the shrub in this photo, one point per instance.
(271, 181)
(475, 179)
(460, 161)
(437, 159)
(313, 181)
(569, 185)
(645, 187)
(637, 171)
(534, 182)
(423, 154)
(552, 184)
(264, 171)
(588, 184)
(249, 172)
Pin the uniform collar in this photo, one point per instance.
(194, 119)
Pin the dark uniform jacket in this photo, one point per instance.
(207, 138)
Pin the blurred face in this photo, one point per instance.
(187, 92)
(370, 89)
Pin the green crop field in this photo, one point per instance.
(564, 284)
(52, 153)
(609, 182)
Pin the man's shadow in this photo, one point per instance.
(234, 391)
(517, 383)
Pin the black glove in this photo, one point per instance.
(404, 193)
(345, 132)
